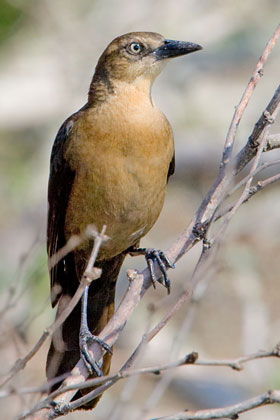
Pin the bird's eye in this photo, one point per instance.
(135, 48)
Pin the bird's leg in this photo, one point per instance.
(86, 338)
(155, 256)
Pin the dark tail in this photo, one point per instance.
(64, 352)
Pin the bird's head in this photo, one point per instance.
(140, 55)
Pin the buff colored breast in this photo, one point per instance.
(121, 156)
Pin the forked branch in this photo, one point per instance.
(196, 231)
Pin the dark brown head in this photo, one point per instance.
(138, 55)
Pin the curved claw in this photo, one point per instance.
(163, 261)
(86, 338)
(153, 255)
(164, 257)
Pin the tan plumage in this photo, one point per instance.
(121, 169)
(110, 164)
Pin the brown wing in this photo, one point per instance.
(60, 185)
(171, 167)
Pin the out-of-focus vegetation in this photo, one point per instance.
(48, 53)
(10, 18)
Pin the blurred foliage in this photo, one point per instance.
(11, 18)
(18, 152)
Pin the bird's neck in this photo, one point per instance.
(102, 88)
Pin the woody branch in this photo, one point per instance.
(258, 143)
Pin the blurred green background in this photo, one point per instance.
(48, 51)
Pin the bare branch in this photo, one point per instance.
(246, 97)
(13, 294)
(251, 192)
(189, 359)
(194, 233)
(109, 380)
(230, 412)
(273, 142)
(251, 147)
(90, 274)
(73, 242)
(260, 168)
(246, 190)
(237, 364)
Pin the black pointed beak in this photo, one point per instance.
(175, 49)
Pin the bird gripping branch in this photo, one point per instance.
(110, 164)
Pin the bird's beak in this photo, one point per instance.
(175, 49)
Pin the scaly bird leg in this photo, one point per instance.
(86, 338)
(155, 256)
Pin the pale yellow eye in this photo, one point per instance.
(135, 48)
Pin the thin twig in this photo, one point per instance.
(250, 193)
(63, 407)
(15, 291)
(162, 385)
(86, 279)
(189, 359)
(204, 215)
(273, 142)
(73, 242)
(239, 111)
(194, 233)
(230, 412)
(237, 364)
(220, 234)
(250, 149)
(259, 169)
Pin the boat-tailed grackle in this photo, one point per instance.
(110, 164)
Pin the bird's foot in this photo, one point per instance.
(156, 256)
(87, 338)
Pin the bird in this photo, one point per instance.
(110, 164)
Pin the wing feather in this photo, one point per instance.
(60, 184)
(171, 168)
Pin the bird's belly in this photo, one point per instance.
(126, 197)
